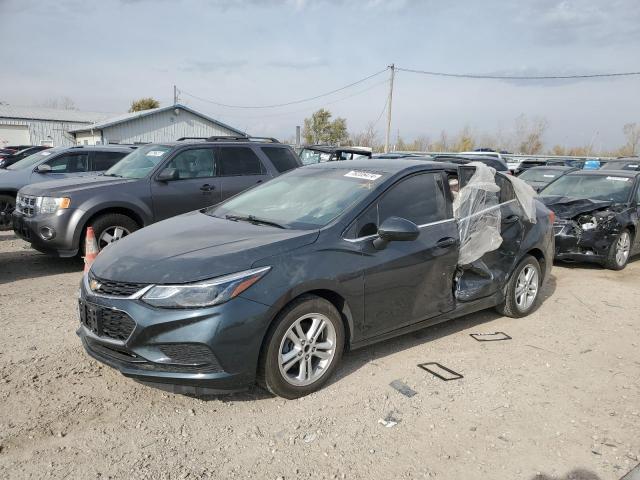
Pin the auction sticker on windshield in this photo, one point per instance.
(155, 153)
(363, 175)
(618, 179)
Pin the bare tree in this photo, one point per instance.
(62, 103)
(632, 132)
(367, 138)
(529, 134)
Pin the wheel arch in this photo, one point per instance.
(105, 211)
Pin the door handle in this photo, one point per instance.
(511, 219)
(207, 188)
(446, 242)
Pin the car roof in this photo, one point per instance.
(386, 165)
(332, 149)
(552, 167)
(606, 173)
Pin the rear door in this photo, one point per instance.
(102, 160)
(408, 282)
(197, 185)
(239, 168)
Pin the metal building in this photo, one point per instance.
(42, 126)
(164, 124)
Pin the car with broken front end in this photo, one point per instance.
(596, 216)
(274, 284)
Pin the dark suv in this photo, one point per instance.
(153, 183)
(54, 163)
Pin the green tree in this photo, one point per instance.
(320, 129)
(146, 103)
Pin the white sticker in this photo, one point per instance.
(632, 165)
(155, 153)
(44, 154)
(549, 176)
(363, 175)
(618, 179)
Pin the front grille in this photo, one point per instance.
(26, 204)
(114, 289)
(192, 354)
(105, 322)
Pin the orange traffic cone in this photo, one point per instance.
(90, 249)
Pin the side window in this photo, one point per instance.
(420, 198)
(238, 161)
(105, 160)
(194, 163)
(69, 163)
(507, 193)
(282, 158)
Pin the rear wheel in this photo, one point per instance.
(111, 227)
(7, 205)
(523, 289)
(302, 349)
(619, 252)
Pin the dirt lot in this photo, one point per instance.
(562, 396)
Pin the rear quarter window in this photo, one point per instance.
(233, 161)
(282, 159)
(106, 160)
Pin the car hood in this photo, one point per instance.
(569, 207)
(71, 185)
(9, 178)
(193, 247)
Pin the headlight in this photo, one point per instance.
(52, 204)
(205, 293)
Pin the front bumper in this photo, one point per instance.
(575, 244)
(64, 224)
(208, 350)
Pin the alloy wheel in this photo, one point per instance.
(110, 235)
(623, 247)
(307, 349)
(526, 288)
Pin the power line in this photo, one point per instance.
(517, 77)
(286, 103)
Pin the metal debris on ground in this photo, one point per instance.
(440, 371)
(403, 388)
(490, 337)
(389, 421)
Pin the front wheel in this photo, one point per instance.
(111, 227)
(303, 348)
(7, 205)
(619, 252)
(523, 289)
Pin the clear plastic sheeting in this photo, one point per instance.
(477, 209)
(526, 196)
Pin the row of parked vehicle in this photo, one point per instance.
(275, 270)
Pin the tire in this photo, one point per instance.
(515, 305)
(279, 348)
(108, 224)
(7, 206)
(619, 251)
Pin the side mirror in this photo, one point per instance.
(168, 174)
(395, 229)
(43, 168)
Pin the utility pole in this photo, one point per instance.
(393, 74)
(175, 95)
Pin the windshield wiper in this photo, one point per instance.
(253, 219)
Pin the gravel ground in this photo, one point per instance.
(559, 400)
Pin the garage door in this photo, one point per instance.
(14, 135)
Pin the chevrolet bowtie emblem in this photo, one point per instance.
(94, 285)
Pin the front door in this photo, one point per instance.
(408, 282)
(63, 166)
(197, 185)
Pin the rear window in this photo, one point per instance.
(105, 160)
(282, 158)
(238, 161)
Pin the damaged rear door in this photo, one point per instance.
(409, 281)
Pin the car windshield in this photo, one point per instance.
(596, 187)
(306, 198)
(140, 162)
(539, 175)
(632, 165)
(34, 159)
(309, 157)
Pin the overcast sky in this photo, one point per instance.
(105, 54)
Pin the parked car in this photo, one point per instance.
(311, 154)
(511, 163)
(50, 164)
(491, 161)
(630, 163)
(18, 155)
(596, 216)
(153, 183)
(5, 152)
(275, 283)
(540, 177)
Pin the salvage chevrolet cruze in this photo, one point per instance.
(276, 283)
